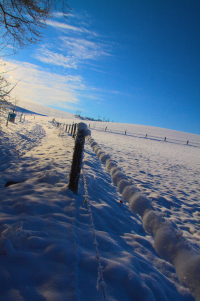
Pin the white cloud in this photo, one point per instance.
(77, 29)
(83, 48)
(58, 15)
(50, 57)
(72, 51)
(63, 26)
(78, 45)
(49, 89)
(43, 87)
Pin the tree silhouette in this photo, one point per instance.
(21, 21)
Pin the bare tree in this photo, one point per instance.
(4, 95)
(5, 89)
(21, 21)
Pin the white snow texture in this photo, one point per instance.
(168, 243)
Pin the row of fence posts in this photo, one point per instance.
(165, 139)
(69, 128)
(78, 131)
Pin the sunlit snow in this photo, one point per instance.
(133, 231)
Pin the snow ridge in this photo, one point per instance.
(168, 241)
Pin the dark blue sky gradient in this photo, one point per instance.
(156, 62)
(146, 69)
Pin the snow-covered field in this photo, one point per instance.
(48, 235)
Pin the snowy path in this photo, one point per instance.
(15, 143)
(47, 249)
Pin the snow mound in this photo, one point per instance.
(95, 148)
(117, 177)
(170, 245)
(128, 192)
(114, 169)
(93, 143)
(122, 184)
(110, 164)
(99, 152)
(104, 157)
(139, 204)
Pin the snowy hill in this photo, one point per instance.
(48, 247)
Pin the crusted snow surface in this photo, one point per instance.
(168, 240)
(47, 247)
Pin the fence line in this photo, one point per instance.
(73, 185)
(136, 135)
(168, 241)
(147, 136)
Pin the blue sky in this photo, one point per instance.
(128, 61)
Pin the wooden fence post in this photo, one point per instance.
(69, 127)
(7, 120)
(74, 133)
(66, 128)
(77, 157)
(72, 129)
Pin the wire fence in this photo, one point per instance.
(147, 136)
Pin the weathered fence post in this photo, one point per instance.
(69, 128)
(74, 133)
(77, 157)
(72, 129)
(66, 128)
(7, 120)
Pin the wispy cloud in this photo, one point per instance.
(50, 89)
(75, 42)
(72, 46)
(44, 87)
(51, 57)
(63, 26)
(100, 71)
(83, 48)
(68, 27)
(72, 52)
